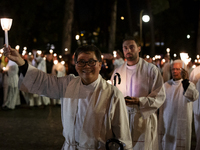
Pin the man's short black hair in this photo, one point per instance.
(88, 48)
(137, 41)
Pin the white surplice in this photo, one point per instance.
(195, 78)
(175, 117)
(105, 115)
(11, 91)
(146, 83)
(166, 72)
(41, 99)
(59, 71)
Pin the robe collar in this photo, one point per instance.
(96, 111)
(122, 71)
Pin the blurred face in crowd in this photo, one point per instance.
(49, 57)
(176, 71)
(131, 51)
(88, 67)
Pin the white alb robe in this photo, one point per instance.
(41, 98)
(146, 84)
(195, 78)
(59, 71)
(11, 92)
(105, 116)
(166, 71)
(175, 117)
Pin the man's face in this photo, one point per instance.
(49, 57)
(176, 71)
(131, 50)
(88, 73)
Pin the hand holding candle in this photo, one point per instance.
(13, 55)
(6, 25)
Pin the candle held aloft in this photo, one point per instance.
(6, 25)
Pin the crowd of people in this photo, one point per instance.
(150, 106)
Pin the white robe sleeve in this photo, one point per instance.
(119, 122)
(156, 98)
(191, 94)
(38, 82)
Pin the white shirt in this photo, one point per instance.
(131, 71)
(85, 94)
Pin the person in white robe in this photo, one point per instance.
(175, 115)
(59, 71)
(43, 67)
(10, 85)
(92, 110)
(166, 73)
(119, 60)
(142, 87)
(195, 78)
(29, 98)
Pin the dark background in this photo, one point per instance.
(37, 23)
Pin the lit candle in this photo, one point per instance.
(184, 58)
(55, 62)
(62, 62)
(115, 54)
(51, 51)
(6, 25)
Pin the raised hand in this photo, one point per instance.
(13, 55)
(184, 74)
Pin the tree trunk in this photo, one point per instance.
(198, 35)
(111, 44)
(129, 17)
(152, 52)
(67, 22)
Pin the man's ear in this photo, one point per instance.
(75, 67)
(100, 64)
(139, 48)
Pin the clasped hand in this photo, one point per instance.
(131, 100)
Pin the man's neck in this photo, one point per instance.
(133, 62)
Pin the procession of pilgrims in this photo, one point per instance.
(144, 103)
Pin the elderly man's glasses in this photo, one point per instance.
(177, 69)
(90, 63)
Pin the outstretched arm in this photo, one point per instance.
(13, 55)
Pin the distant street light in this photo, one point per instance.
(6, 25)
(145, 18)
(77, 37)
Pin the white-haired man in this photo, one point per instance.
(175, 115)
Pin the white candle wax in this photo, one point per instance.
(6, 38)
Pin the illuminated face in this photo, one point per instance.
(88, 73)
(176, 71)
(131, 50)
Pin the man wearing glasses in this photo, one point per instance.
(175, 115)
(92, 110)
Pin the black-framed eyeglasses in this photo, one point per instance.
(90, 63)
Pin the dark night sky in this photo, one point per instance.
(42, 20)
